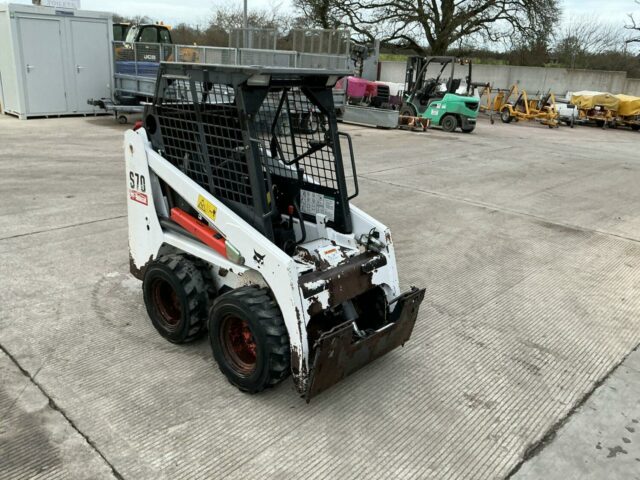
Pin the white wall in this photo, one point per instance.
(533, 79)
(632, 87)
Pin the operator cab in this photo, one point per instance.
(149, 33)
(120, 31)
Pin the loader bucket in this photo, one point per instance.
(337, 355)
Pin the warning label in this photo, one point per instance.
(138, 197)
(312, 203)
(207, 208)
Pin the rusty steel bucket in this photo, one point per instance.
(337, 355)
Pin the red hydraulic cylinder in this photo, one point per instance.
(201, 231)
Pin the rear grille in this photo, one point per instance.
(383, 92)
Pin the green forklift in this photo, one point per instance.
(432, 87)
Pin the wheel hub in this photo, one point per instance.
(168, 304)
(239, 346)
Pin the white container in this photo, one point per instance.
(52, 60)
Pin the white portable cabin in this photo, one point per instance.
(52, 60)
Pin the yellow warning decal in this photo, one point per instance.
(207, 208)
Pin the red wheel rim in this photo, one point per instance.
(239, 347)
(167, 302)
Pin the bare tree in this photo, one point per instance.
(634, 27)
(587, 33)
(228, 16)
(436, 23)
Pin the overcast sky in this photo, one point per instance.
(198, 11)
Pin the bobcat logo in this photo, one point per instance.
(259, 259)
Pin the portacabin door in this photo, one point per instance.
(42, 62)
(91, 61)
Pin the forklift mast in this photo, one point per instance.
(417, 67)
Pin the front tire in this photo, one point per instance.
(249, 339)
(505, 116)
(175, 294)
(449, 123)
(408, 110)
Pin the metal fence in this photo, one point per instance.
(136, 65)
(258, 38)
(142, 59)
(329, 41)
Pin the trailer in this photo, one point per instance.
(136, 65)
(122, 113)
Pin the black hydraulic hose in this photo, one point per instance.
(301, 220)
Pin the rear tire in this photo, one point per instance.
(468, 129)
(249, 339)
(175, 294)
(449, 123)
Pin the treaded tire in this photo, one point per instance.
(253, 308)
(505, 116)
(449, 123)
(175, 294)
(407, 110)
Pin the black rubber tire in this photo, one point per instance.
(449, 123)
(169, 275)
(468, 129)
(261, 313)
(408, 110)
(505, 116)
(635, 128)
(600, 123)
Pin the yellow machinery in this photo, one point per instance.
(492, 100)
(542, 109)
(629, 111)
(598, 107)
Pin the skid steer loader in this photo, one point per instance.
(240, 225)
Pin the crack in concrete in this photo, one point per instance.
(62, 412)
(536, 447)
(63, 227)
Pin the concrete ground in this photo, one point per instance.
(526, 239)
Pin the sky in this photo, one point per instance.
(198, 11)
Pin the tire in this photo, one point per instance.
(122, 119)
(505, 116)
(449, 123)
(408, 110)
(249, 339)
(175, 294)
(635, 128)
(600, 123)
(468, 129)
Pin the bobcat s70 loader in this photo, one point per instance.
(240, 225)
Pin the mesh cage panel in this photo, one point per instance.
(190, 111)
(262, 149)
(289, 126)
